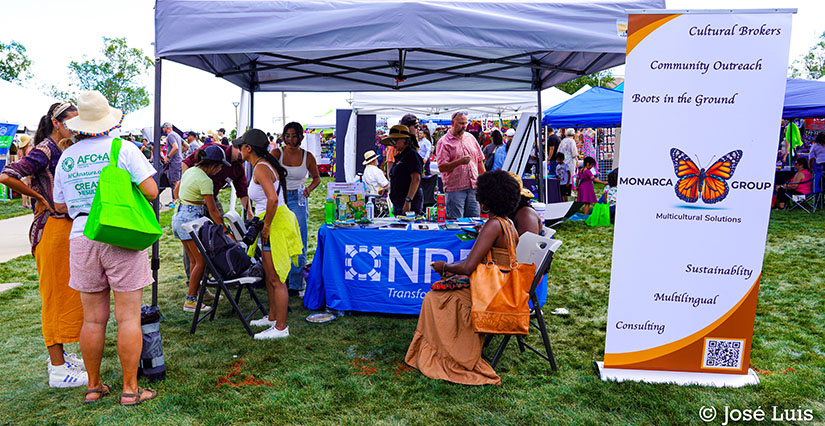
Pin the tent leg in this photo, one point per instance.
(156, 164)
(542, 172)
(252, 109)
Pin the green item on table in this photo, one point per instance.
(329, 211)
(466, 237)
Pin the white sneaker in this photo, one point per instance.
(262, 322)
(73, 360)
(67, 376)
(272, 333)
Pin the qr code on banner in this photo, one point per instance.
(723, 353)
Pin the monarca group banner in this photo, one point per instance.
(702, 105)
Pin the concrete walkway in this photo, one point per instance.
(14, 234)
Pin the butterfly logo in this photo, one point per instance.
(695, 181)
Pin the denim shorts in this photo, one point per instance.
(185, 213)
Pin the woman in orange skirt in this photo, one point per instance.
(61, 312)
(444, 345)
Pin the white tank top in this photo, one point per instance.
(256, 193)
(296, 176)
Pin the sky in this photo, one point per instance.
(56, 32)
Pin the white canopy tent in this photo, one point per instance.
(385, 45)
(442, 104)
(22, 106)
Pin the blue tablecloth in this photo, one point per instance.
(380, 270)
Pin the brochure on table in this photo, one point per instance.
(690, 236)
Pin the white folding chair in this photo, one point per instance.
(212, 278)
(236, 225)
(538, 250)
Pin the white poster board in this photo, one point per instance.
(518, 152)
(695, 190)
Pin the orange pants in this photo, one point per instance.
(61, 315)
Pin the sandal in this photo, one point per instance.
(103, 390)
(138, 400)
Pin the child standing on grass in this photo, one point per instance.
(585, 192)
(563, 173)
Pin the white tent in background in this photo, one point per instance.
(583, 89)
(22, 106)
(135, 121)
(437, 105)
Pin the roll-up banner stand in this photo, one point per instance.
(695, 191)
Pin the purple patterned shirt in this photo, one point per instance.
(40, 164)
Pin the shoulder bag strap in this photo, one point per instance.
(115, 152)
(511, 246)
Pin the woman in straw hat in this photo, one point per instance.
(61, 313)
(98, 268)
(405, 175)
(373, 177)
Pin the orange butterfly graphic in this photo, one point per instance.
(695, 181)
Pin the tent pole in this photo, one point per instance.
(542, 184)
(156, 164)
(251, 108)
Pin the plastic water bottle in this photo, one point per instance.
(342, 209)
(302, 201)
(370, 210)
(329, 211)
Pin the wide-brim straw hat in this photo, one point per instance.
(369, 157)
(94, 115)
(397, 131)
(524, 191)
(24, 141)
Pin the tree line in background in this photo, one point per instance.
(117, 75)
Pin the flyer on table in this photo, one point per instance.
(701, 117)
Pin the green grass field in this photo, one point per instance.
(351, 371)
(12, 208)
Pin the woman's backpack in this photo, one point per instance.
(229, 258)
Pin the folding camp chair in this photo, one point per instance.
(538, 250)
(211, 278)
(807, 202)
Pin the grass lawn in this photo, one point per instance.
(12, 208)
(351, 371)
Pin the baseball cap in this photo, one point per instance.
(215, 153)
(253, 137)
(409, 120)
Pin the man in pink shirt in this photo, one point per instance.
(460, 161)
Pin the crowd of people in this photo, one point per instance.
(58, 170)
(79, 275)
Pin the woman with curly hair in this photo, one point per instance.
(444, 345)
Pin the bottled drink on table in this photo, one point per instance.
(370, 210)
(329, 211)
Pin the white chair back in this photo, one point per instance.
(532, 248)
(195, 225)
(236, 225)
(549, 232)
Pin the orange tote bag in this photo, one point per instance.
(500, 296)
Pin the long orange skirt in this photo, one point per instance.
(61, 315)
(445, 346)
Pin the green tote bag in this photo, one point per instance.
(120, 214)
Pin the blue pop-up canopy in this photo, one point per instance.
(601, 108)
(597, 107)
(804, 99)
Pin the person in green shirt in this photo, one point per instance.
(196, 192)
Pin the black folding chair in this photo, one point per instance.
(538, 250)
(211, 278)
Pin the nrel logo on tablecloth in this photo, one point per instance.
(374, 274)
(364, 263)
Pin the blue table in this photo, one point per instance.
(381, 270)
(378, 270)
